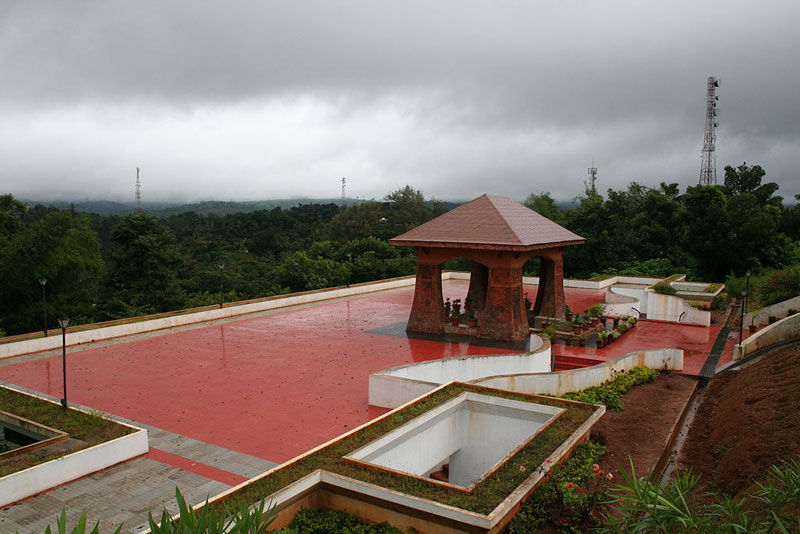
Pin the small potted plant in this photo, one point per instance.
(472, 320)
(568, 313)
(468, 304)
(527, 302)
(457, 307)
(448, 308)
(602, 337)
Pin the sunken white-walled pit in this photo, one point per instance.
(472, 434)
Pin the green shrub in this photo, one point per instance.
(665, 288)
(720, 302)
(210, 520)
(610, 392)
(570, 499)
(314, 521)
(80, 527)
(597, 310)
(683, 506)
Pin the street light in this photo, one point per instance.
(63, 322)
(741, 321)
(43, 282)
(221, 276)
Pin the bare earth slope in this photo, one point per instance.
(749, 420)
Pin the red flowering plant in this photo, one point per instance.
(572, 500)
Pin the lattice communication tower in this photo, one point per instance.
(344, 199)
(138, 209)
(708, 165)
(592, 177)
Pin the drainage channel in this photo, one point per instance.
(683, 433)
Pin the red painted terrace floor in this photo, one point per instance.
(277, 385)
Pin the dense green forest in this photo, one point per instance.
(100, 267)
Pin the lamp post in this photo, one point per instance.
(741, 321)
(221, 275)
(747, 286)
(63, 322)
(43, 282)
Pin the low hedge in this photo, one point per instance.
(314, 521)
(610, 392)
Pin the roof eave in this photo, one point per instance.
(483, 246)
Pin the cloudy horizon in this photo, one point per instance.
(252, 100)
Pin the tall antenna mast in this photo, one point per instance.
(708, 165)
(138, 209)
(592, 177)
(344, 199)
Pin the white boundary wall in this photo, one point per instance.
(396, 386)
(561, 382)
(38, 478)
(110, 332)
(776, 310)
(786, 329)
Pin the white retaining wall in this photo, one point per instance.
(561, 382)
(776, 310)
(44, 476)
(398, 385)
(621, 305)
(784, 330)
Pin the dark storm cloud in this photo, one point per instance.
(454, 97)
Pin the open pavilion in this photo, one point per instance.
(498, 235)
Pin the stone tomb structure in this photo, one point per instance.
(498, 235)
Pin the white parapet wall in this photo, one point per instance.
(38, 478)
(396, 386)
(152, 325)
(776, 310)
(561, 382)
(786, 329)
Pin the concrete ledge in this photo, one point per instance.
(780, 331)
(561, 382)
(33, 480)
(392, 387)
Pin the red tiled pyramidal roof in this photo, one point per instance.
(490, 222)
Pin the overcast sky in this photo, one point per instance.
(256, 100)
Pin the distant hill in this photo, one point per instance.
(208, 207)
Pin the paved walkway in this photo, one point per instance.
(124, 493)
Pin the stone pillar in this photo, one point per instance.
(504, 315)
(478, 282)
(550, 301)
(427, 311)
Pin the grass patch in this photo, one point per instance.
(88, 428)
(482, 499)
(666, 281)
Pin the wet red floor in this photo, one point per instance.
(696, 341)
(277, 385)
